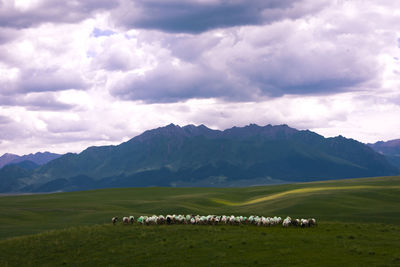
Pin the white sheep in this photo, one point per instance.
(312, 222)
(214, 219)
(287, 222)
(304, 223)
(223, 219)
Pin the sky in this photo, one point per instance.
(75, 74)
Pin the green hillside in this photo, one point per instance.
(328, 244)
(359, 219)
(355, 200)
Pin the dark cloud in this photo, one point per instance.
(7, 35)
(198, 16)
(14, 131)
(169, 83)
(43, 80)
(251, 64)
(50, 11)
(41, 101)
(45, 102)
(307, 72)
(64, 126)
(50, 79)
(4, 120)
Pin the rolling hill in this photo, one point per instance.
(358, 219)
(199, 156)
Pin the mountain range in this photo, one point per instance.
(38, 158)
(200, 156)
(390, 149)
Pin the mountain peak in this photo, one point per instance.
(269, 131)
(390, 143)
(176, 130)
(171, 125)
(272, 131)
(7, 158)
(9, 155)
(391, 150)
(38, 158)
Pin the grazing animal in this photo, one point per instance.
(295, 222)
(287, 222)
(140, 220)
(160, 219)
(312, 222)
(304, 223)
(215, 219)
(223, 219)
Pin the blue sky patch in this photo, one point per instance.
(98, 32)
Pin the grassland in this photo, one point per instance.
(359, 224)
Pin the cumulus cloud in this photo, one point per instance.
(118, 53)
(34, 80)
(42, 60)
(170, 82)
(297, 57)
(85, 73)
(41, 80)
(300, 65)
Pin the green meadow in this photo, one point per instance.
(358, 225)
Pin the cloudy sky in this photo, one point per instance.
(92, 72)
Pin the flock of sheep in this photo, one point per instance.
(215, 219)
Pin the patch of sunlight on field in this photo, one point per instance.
(300, 191)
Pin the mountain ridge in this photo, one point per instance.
(390, 149)
(38, 158)
(191, 155)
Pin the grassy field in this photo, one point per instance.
(359, 224)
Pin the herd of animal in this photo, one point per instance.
(215, 219)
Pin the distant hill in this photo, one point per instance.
(391, 149)
(11, 175)
(14, 169)
(38, 158)
(199, 156)
(7, 158)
